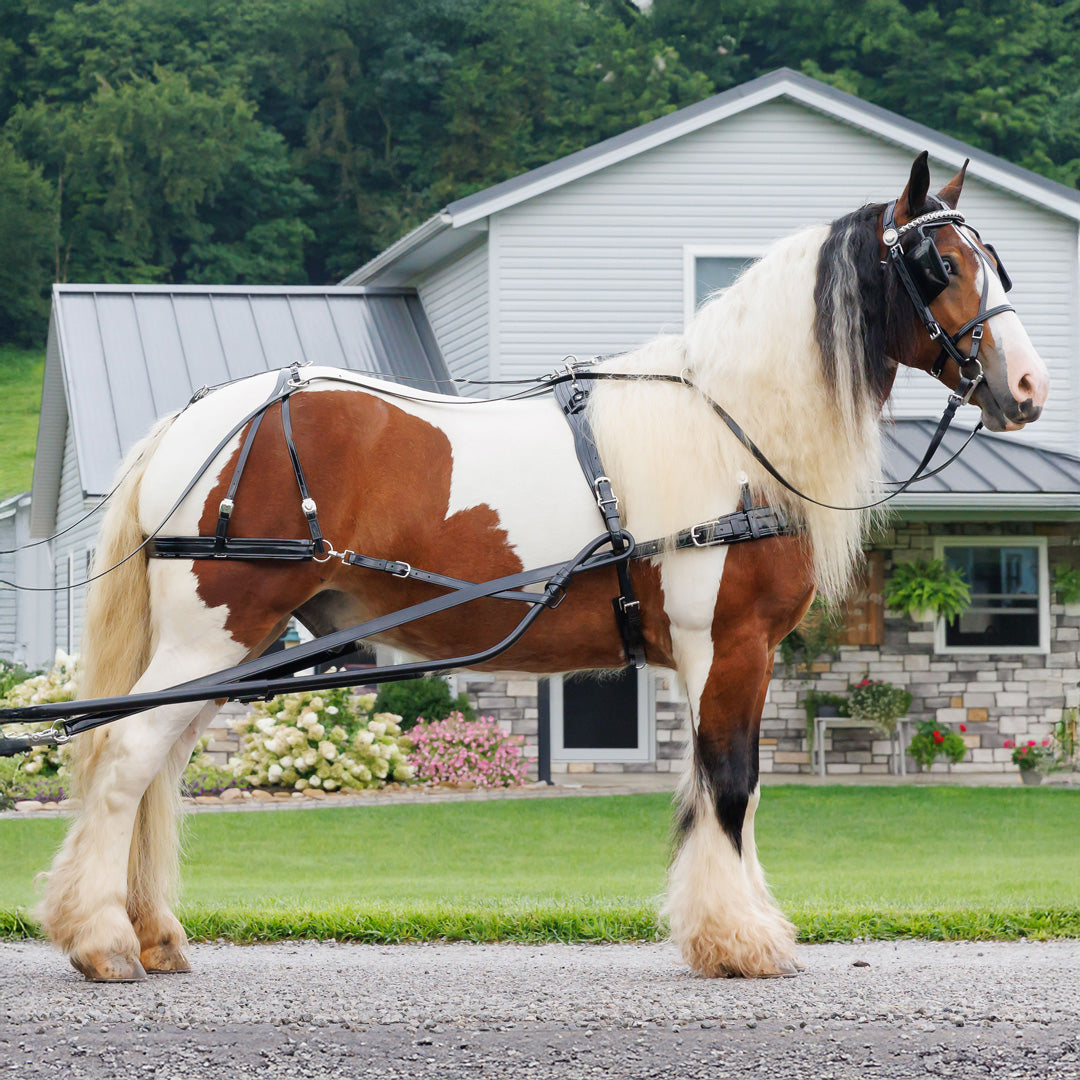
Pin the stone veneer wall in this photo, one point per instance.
(997, 697)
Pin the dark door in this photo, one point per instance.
(601, 713)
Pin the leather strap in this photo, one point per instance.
(572, 398)
(307, 503)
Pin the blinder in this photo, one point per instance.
(927, 268)
(1002, 273)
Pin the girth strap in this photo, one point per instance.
(572, 398)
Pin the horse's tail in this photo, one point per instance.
(116, 649)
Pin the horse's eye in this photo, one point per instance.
(950, 266)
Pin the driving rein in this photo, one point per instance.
(923, 275)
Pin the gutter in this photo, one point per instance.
(434, 226)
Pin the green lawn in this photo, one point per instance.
(843, 861)
(20, 391)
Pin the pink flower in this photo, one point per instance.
(1008, 744)
(963, 727)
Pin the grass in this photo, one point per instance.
(20, 390)
(844, 862)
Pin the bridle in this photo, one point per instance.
(924, 276)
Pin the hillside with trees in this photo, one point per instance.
(288, 141)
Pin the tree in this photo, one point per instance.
(28, 222)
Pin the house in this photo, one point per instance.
(603, 249)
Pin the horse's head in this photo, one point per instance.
(970, 337)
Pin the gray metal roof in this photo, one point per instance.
(994, 472)
(439, 234)
(119, 356)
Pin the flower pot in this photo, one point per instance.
(827, 710)
(1031, 776)
(924, 615)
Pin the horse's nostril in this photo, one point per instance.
(1026, 387)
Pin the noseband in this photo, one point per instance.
(924, 275)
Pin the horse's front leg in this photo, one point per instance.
(728, 609)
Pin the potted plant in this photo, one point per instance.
(817, 634)
(879, 703)
(931, 740)
(1035, 760)
(1067, 587)
(927, 588)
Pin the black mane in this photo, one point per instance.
(849, 273)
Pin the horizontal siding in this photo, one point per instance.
(596, 266)
(455, 298)
(73, 505)
(8, 597)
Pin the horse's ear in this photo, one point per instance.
(914, 197)
(950, 193)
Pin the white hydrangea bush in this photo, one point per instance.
(329, 740)
(59, 683)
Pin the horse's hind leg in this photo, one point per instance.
(86, 903)
(154, 857)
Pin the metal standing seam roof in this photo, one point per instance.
(994, 472)
(470, 210)
(120, 356)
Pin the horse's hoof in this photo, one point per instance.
(115, 968)
(164, 959)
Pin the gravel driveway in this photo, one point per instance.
(877, 1009)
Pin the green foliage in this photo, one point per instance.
(931, 740)
(1067, 584)
(291, 140)
(416, 699)
(813, 702)
(202, 778)
(29, 214)
(927, 585)
(1067, 735)
(21, 373)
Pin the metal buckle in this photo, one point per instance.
(309, 508)
(601, 502)
(402, 573)
(225, 508)
(625, 605)
(694, 532)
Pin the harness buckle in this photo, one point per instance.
(600, 500)
(933, 330)
(625, 605)
(694, 533)
(404, 572)
(225, 508)
(309, 508)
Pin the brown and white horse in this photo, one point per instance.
(803, 349)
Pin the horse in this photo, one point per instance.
(804, 347)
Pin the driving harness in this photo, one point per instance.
(923, 275)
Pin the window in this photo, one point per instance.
(1010, 609)
(706, 270)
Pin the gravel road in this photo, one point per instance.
(876, 1009)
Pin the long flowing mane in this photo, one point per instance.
(801, 351)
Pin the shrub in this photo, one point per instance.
(41, 762)
(931, 739)
(458, 750)
(203, 778)
(416, 699)
(322, 740)
(1067, 584)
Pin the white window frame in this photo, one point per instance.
(693, 252)
(1039, 542)
(646, 725)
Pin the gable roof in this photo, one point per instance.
(459, 221)
(120, 356)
